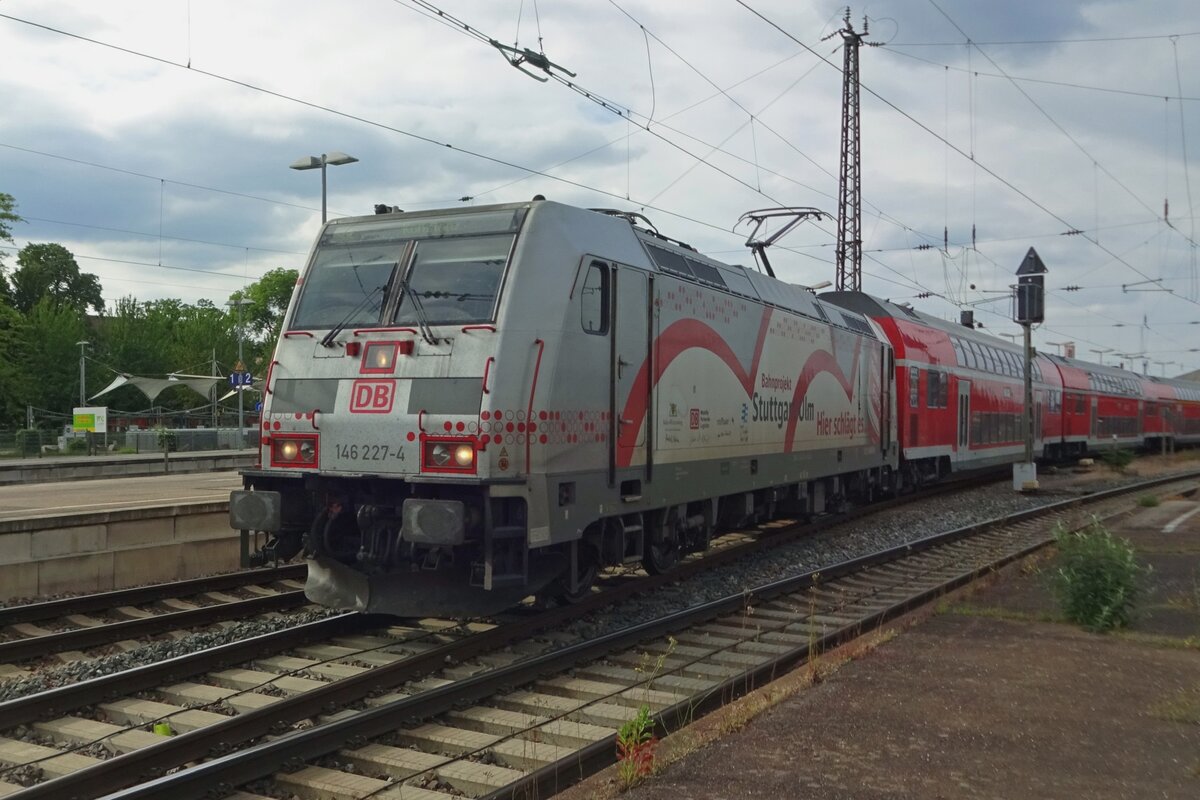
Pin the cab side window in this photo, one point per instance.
(593, 300)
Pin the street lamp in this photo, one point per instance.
(336, 158)
(241, 366)
(1061, 346)
(82, 372)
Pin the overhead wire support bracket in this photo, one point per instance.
(1128, 287)
(760, 216)
(520, 57)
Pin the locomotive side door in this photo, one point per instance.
(964, 419)
(630, 409)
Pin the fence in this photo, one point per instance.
(35, 443)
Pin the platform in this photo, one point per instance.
(109, 465)
(109, 533)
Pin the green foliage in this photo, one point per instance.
(270, 296)
(635, 748)
(1117, 459)
(77, 445)
(167, 440)
(47, 356)
(8, 215)
(50, 271)
(1148, 501)
(635, 737)
(1096, 579)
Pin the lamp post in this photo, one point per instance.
(241, 366)
(336, 158)
(1063, 347)
(82, 372)
(1133, 357)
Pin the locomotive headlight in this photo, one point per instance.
(448, 455)
(464, 455)
(379, 358)
(293, 451)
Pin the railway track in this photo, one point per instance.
(74, 624)
(347, 668)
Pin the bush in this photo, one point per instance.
(1117, 459)
(77, 445)
(1148, 501)
(1097, 578)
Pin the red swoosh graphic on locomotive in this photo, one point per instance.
(691, 334)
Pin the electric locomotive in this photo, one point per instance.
(469, 406)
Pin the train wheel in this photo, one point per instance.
(663, 548)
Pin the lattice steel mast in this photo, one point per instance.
(849, 234)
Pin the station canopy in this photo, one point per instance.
(153, 387)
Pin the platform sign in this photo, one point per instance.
(93, 419)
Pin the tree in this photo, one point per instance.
(13, 383)
(50, 271)
(7, 215)
(49, 356)
(270, 296)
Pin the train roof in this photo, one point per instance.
(684, 261)
(871, 306)
(681, 260)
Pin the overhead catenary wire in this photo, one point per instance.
(1004, 181)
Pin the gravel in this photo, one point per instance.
(154, 652)
(848, 541)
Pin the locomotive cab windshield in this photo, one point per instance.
(452, 268)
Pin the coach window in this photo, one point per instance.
(914, 386)
(593, 300)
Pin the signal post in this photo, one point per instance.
(1030, 308)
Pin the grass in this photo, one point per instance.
(1183, 706)
(996, 612)
(1148, 501)
(635, 738)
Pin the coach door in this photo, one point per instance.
(964, 418)
(629, 398)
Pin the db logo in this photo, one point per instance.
(372, 396)
(694, 418)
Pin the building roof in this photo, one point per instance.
(1194, 375)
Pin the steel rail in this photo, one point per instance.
(137, 595)
(23, 710)
(222, 774)
(79, 638)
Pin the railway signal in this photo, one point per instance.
(1030, 309)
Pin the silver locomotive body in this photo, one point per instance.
(470, 406)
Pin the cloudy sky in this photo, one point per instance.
(153, 139)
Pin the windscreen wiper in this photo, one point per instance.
(341, 326)
(418, 308)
